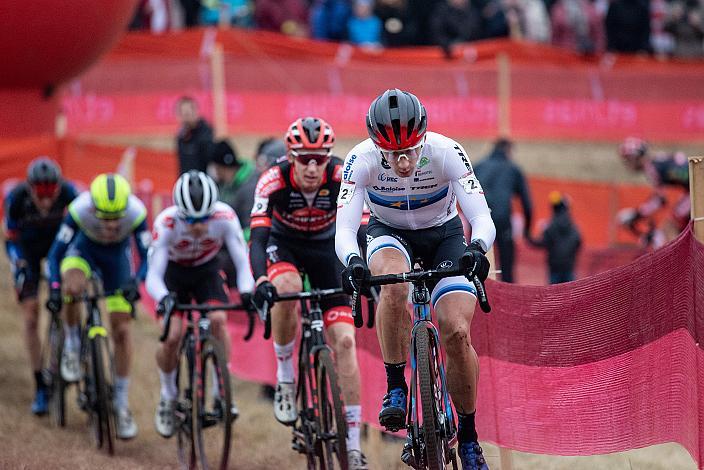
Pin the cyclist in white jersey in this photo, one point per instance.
(183, 266)
(411, 180)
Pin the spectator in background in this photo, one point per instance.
(686, 25)
(232, 12)
(528, 20)
(269, 151)
(628, 26)
(236, 181)
(191, 12)
(502, 179)
(576, 25)
(400, 28)
(455, 21)
(283, 16)
(195, 138)
(328, 19)
(153, 15)
(494, 18)
(364, 28)
(561, 239)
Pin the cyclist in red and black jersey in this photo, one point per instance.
(293, 229)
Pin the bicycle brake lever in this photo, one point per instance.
(481, 295)
(250, 326)
(267, 321)
(357, 309)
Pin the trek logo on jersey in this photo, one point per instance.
(464, 159)
(347, 171)
(423, 161)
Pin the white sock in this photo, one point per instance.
(168, 385)
(72, 339)
(284, 362)
(353, 414)
(121, 400)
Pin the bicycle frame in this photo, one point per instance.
(422, 318)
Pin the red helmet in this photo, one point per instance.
(396, 120)
(632, 149)
(309, 133)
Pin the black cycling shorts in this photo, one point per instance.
(314, 257)
(204, 283)
(433, 247)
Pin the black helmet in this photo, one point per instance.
(43, 170)
(396, 120)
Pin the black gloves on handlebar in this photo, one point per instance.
(166, 305)
(247, 301)
(55, 301)
(263, 299)
(474, 262)
(354, 277)
(130, 291)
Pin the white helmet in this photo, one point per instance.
(195, 195)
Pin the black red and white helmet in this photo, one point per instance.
(43, 170)
(309, 134)
(632, 149)
(396, 120)
(195, 195)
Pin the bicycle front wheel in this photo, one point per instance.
(103, 416)
(430, 400)
(212, 416)
(57, 400)
(332, 430)
(183, 413)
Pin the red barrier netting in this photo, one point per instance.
(272, 79)
(605, 364)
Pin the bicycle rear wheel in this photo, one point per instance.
(102, 413)
(57, 400)
(212, 417)
(185, 440)
(430, 401)
(332, 430)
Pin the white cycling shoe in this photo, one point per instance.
(70, 365)
(285, 403)
(125, 426)
(164, 417)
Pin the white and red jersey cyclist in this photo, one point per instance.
(173, 241)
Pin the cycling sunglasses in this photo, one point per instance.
(45, 190)
(306, 158)
(412, 153)
(109, 215)
(196, 220)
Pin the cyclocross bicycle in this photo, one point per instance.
(203, 411)
(430, 422)
(95, 389)
(320, 432)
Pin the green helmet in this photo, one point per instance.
(110, 193)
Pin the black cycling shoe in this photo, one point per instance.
(393, 410)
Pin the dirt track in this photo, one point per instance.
(27, 442)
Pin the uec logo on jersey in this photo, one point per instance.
(385, 177)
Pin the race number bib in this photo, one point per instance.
(346, 193)
(470, 183)
(260, 205)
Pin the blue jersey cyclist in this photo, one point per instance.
(33, 213)
(412, 181)
(95, 237)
